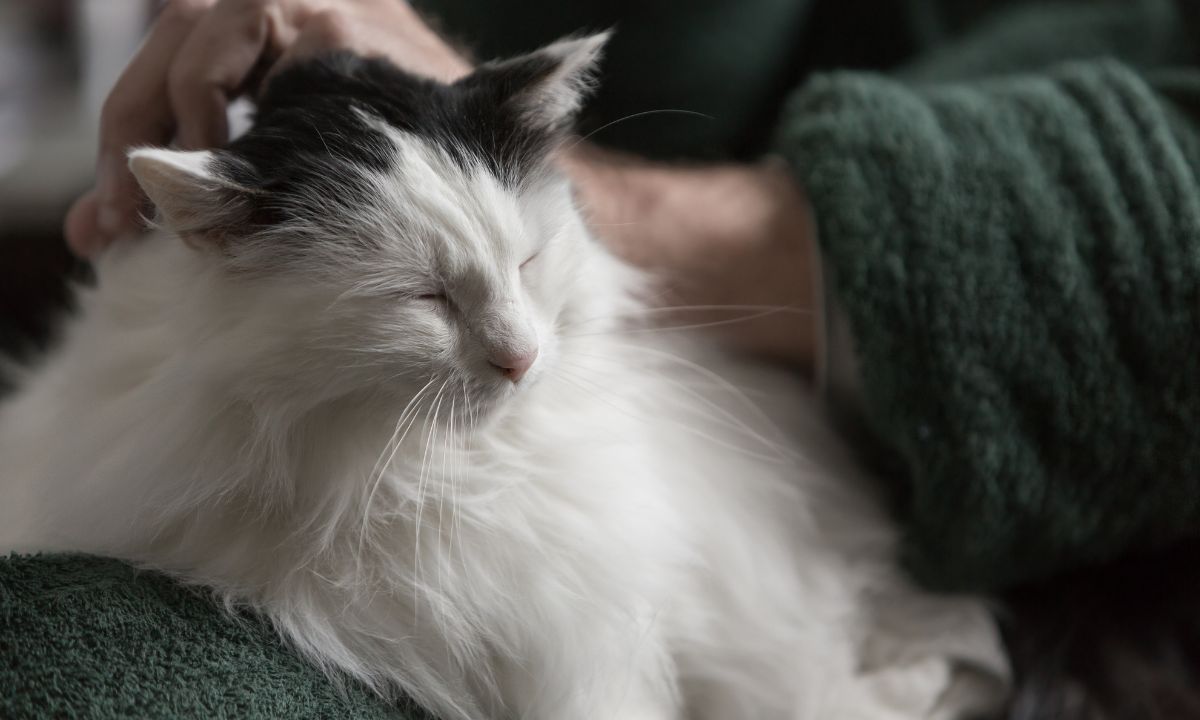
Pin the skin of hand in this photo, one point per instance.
(200, 54)
(737, 237)
(734, 245)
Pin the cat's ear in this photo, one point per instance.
(191, 194)
(548, 86)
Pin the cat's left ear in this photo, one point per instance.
(191, 192)
(548, 86)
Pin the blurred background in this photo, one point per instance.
(58, 59)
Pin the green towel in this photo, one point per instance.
(88, 638)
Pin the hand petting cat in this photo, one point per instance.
(734, 245)
(200, 54)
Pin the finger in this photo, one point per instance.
(395, 31)
(214, 62)
(138, 112)
(321, 32)
(80, 226)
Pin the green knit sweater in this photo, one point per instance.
(1010, 219)
(1007, 213)
(1018, 253)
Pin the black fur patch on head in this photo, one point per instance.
(306, 127)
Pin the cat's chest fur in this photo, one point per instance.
(626, 504)
(555, 528)
(380, 384)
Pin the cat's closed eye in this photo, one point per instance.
(528, 260)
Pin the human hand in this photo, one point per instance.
(201, 54)
(734, 246)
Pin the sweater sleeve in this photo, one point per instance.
(1019, 261)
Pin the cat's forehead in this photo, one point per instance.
(452, 209)
(343, 111)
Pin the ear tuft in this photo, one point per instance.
(562, 93)
(191, 197)
(547, 87)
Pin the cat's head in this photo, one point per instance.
(415, 234)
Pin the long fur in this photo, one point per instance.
(286, 396)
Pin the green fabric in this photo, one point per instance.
(727, 60)
(1009, 235)
(88, 638)
(1019, 258)
(733, 61)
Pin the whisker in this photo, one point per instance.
(579, 382)
(693, 326)
(431, 428)
(694, 382)
(780, 453)
(706, 373)
(446, 441)
(458, 474)
(576, 381)
(644, 113)
(656, 309)
(394, 443)
(473, 417)
(725, 418)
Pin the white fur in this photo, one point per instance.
(558, 96)
(620, 536)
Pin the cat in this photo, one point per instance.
(373, 378)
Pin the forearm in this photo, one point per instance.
(734, 242)
(1016, 261)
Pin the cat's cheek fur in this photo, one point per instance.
(640, 529)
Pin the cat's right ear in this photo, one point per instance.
(192, 197)
(546, 87)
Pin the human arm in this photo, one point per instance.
(732, 245)
(1016, 258)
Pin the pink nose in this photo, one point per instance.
(513, 364)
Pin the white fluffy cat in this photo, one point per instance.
(376, 381)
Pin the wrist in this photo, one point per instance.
(738, 237)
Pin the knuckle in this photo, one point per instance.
(186, 11)
(254, 8)
(331, 27)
